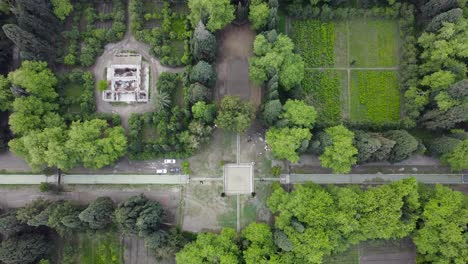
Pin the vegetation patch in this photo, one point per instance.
(315, 41)
(375, 96)
(100, 249)
(322, 89)
(373, 43)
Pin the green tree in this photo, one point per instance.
(451, 16)
(6, 97)
(459, 89)
(438, 119)
(341, 155)
(43, 149)
(211, 248)
(99, 214)
(161, 100)
(442, 237)
(10, 225)
(204, 44)
(60, 211)
(139, 215)
(202, 110)
(203, 73)
(258, 14)
(367, 144)
(95, 144)
(458, 157)
(214, 13)
(298, 113)
(285, 142)
(62, 8)
(27, 213)
(271, 111)
(439, 80)
(405, 145)
(27, 42)
(36, 78)
(282, 241)
(234, 114)
(198, 92)
(261, 247)
(27, 248)
(434, 7)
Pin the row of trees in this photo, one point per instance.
(43, 138)
(313, 222)
(26, 229)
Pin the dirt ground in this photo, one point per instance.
(388, 252)
(205, 209)
(135, 251)
(236, 47)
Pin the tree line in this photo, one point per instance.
(313, 221)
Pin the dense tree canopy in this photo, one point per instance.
(341, 155)
(62, 8)
(442, 237)
(203, 73)
(95, 144)
(99, 214)
(204, 44)
(298, 113)
(215, 14)
(276, 56)
(458, 157)
(211, 248)
(285, 142)
(26, 248)
(36, 78)
(258, 14)
(234, 114)
(6, 97)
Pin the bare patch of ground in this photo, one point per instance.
(135, 251)
(388, 252)
(208, 162)
(205, 209)
(236, 47)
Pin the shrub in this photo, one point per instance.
(102, 85)
(186, 167)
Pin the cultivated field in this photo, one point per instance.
(354, 63)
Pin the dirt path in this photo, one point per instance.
(128, 43)
(232, 66)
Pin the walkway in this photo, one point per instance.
(31, 179)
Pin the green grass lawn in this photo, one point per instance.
(177, 48)
(100, 248)
(350, 256)
(375, 96)
(149, 133)
(315, 41)
(373, 43)
(323, 90)
(73, 90)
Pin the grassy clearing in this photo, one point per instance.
(323, 90)
(315, 41)
(73, 90)
(100, 248)
(229, 218)
(375, 96)
(149, 133)
(373, 43)
(350, 256)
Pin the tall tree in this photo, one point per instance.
(36, 78)
(215, 14)
(95, 144)
(27, 42)
(341, 155)
(234, 114)
(258, 14)
(442, 237)
(99, 214)
(458, 157)
(285, 142)
(27, 248)
(298, 113)
(203, 73)
(405, 144)
(261, 247)
(211, 248)
(204, 44)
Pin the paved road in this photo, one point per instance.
(374, 178)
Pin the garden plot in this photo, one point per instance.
(373, 43)
(351, 68)
(375, 96)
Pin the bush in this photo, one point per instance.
(276, 171)
(186, 167)
(102, 85)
